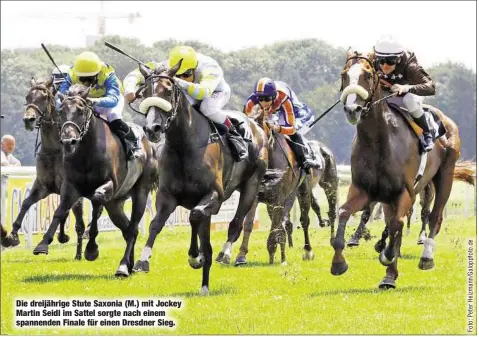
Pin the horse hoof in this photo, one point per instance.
(226, 259)
(204, 291)
(63, 238)
(384, 260)
(308, 256)
(122, 271)
(387, 283)
(141, 266)
(367, 235)
(339, 268)
(219, 258)
(240, 260)
(379, 246)
(78, 257)
(426, 264)
(91, 255)
(42, 248)
(11, 240)
(353, 242)
(196, 262)
(324, 223)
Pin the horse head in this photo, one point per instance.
(75, 116)
(161, 102)
(359, 82)
(40, 104)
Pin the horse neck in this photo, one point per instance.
(86, 148)
(189, 129)
(373, 128)
(50, 137)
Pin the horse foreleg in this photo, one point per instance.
(68, 196)
(427, 195)
(203, 224)
(304, 198)
(287, 220)
(91, 249)
(37, 192)
(356, 201)
(388, 257)
(165, 205)
(361, 230)
(248, 192)
(277, 234)
(79, 226)
(247, 229)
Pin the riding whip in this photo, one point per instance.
(115, 48)
(306, 129)
(51, 59)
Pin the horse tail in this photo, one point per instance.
(465, 170)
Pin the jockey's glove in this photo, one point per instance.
(400, 89)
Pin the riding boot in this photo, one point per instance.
(127, 137)
(422, 122)
(298, 144)
(240, 147)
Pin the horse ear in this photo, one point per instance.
(84, 93)
(349, 53)
(60, 96)
(49, 83)
(172, 72)
(33, 82)
(144, 71)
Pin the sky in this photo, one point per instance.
(436, 31)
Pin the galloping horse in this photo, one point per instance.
(40, 111)
(96, 168)
(385, 160)
(196, 172)
(279, 198)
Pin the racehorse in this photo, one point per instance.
(197, 170)
(279, 198)
(95, 167)
(40, 112)
(385, 160)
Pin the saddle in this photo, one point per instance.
(436, 126)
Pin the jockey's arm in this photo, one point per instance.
(210, 78)
(112, 93)
(289, 128)
(65, 85)
(248, 108)
(421, 83)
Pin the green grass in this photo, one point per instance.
(300, 298)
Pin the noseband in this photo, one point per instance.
(175, 100)
(372, 89)
(86, 125)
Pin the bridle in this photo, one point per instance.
(86, 125)
(152, 79)
(50, 107)
(374, 85)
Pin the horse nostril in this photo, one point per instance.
(157, 128)
(358, 108)
(73, 142)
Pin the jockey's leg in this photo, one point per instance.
(211, 107)
(127, 137)
(413, 104)
(302, 153)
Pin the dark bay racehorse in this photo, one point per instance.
(196, 173)
(96, 168)
(384, 162)
(279, 198)
(40, 111)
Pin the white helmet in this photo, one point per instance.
(388, 46)
(63, 68)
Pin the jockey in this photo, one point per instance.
(105, 95)
(57, 77)
(277, 97)
(201, 79)
(401, 73)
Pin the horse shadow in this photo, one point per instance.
(358, 291)
(65, 277)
